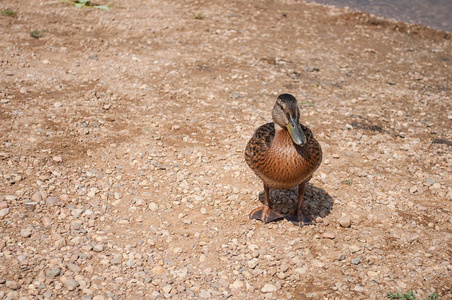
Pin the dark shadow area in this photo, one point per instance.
(365, 124)
(442, 142)
(316, 201)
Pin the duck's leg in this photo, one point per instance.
(265, 213)
(298, 217)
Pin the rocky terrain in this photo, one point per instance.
(122, 132)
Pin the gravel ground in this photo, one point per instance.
(122, 174)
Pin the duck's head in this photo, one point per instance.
(287, 115)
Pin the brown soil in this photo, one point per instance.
(121, 157)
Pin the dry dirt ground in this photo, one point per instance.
(121, 156)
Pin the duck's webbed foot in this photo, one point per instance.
(299, 218)
(265, 214)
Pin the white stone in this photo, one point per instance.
(177, 250)
(269, 288)
(153, 206)
(345, 221)
(26, 232)
(253, 263)
(4, 212)
(237, 284)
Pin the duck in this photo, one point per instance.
(284, 154)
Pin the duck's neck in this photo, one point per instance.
(282, 137)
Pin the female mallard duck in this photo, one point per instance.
(284, 154)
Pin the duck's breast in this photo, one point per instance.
(286, 164)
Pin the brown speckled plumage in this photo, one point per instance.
(283, 158)
(279, 162)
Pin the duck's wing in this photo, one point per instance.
(307, 132)
(312, 151)
(259, 144)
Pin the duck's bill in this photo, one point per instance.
(296, 133)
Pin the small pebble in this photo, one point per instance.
(71, 284)
(10, 197)
(73, 267)
(345, 222)
(37, 197)
(372, 274)
(98, 248)
(26, 232)
(117, 258)
(47, 222)
(328, 235)
(22, 259)
(205, 294)
(47, 294)
(253, 263)
(167, 289)
(57, 159)
(52, 201)
(237, 284)
(354, 248)
(236, 95)
(153, 206)
(358, 288)
(269, 288)
(4, 212)
(54, 272)
(13, 285)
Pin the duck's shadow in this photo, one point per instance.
(316, 201)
